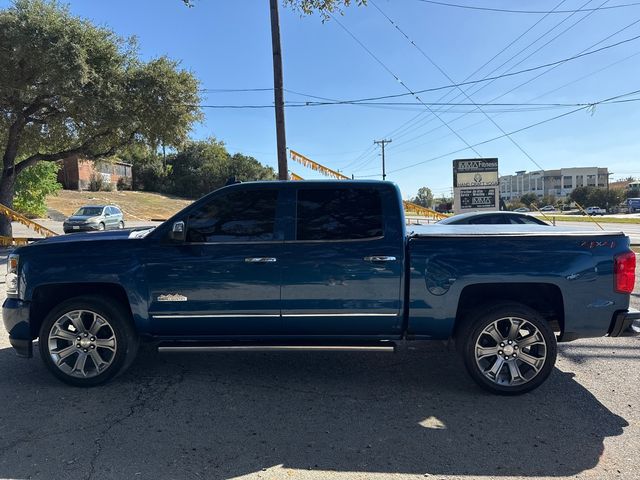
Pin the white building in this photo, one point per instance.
(559, 183)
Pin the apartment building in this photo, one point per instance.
(559, 183)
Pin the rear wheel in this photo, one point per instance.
(508, 349)
(85, 341)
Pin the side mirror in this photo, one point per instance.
(178, 233)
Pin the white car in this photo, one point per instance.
(595, 211)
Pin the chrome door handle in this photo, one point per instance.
(260, 260)
(379, 258)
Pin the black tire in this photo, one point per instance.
(527, 367)
(121, 225)
(101, 226)
(114, 328)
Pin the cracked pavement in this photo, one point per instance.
(306, 415)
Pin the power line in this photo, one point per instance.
(514, 41)
(402, 83)
(535, 12)
(424, 54)
(601, 102)
(531, 79)
(490, 81)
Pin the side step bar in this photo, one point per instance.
(276, 348)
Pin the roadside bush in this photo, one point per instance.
(95, 183)
(124, 184)
(32, 187)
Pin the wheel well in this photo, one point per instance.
(542, 297)
(46, 297)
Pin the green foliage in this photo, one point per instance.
(69, 86)
(307, 7)
(203, 166)
(324, 7)
(582, 195)
(424, 197)
(32, 187)
(194, 170)
(528, 199)
(599, 197)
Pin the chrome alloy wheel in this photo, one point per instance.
(510, 351)
(82, 343)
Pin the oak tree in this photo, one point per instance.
(68, 87)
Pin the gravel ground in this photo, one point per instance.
(323, 416)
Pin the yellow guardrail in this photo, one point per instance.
(16, 217)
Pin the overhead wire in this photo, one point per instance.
(524, 49)
(532, 12)
(443, 72)
(404, 85)
(527, 127)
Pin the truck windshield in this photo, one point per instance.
(89, 211)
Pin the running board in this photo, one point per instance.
(277, 348)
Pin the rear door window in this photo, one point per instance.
(339, 214)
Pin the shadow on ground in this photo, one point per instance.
(224, 414)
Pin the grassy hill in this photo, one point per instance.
(142, 206)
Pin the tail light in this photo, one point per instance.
(625, 272)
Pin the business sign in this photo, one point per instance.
(471, 177)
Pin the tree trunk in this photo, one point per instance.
(7, 189)
(8, 179)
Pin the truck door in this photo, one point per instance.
(225, 278)
(343, 262)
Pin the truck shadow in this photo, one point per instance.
(222, 415)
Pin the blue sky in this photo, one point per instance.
(227, 45)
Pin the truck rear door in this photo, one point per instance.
(343, 261)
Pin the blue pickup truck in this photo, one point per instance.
(317, 265)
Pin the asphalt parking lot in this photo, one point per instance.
(323, 416)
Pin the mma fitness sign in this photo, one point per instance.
(475, 184)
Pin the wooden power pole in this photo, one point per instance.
(278, 92)
(382, 143)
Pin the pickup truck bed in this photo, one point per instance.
(317, 264)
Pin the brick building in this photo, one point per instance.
(76, 172)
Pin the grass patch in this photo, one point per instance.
(583, 218)
(143, 206)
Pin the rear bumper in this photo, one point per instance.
(625, 324)
(15, 315)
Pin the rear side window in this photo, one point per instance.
(339, 214)
(241, 216)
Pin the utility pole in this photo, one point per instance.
(382, 143)
(278, 92)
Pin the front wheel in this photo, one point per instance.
(101, 226)
(85, 341)
(508, 349)
(121, 225)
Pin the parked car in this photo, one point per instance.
(548, 208)
(318, 265)
(595, 211)
(94, 217)
(522, 210)
(492, 218)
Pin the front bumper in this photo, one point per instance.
(85, 227)
(15, 315)
(625, 324)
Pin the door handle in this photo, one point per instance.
(260, 260)
(379, 258)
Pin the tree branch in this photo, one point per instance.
(84, 149)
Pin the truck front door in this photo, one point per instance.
(225, 278)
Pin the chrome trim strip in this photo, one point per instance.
(340, 240)
(340, 315)
(215, 316)
(285, 316)
(270, 348)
